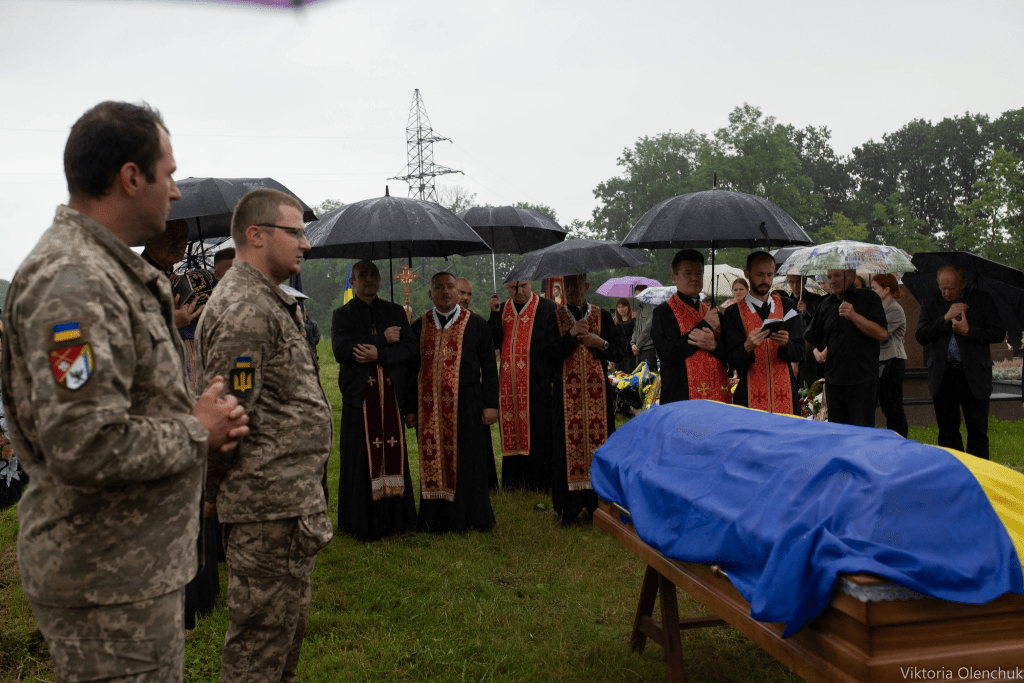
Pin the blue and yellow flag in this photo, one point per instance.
(785, 505)
(348, 286)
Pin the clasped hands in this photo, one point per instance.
(702, 337)
(221, 416)
(959, 309)
(584, 336)
(367, 353)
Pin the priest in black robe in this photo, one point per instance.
(455, 381)
(581, 343)
(519, 329)
(374, 344)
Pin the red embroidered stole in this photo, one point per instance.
(584, 397)
(705, 374)
(385, 436)
(438, 384)
(514, 377)
(768, 386)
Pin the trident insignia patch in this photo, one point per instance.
(241, 377)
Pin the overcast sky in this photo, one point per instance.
(538, 98)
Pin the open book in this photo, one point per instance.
(777, 324)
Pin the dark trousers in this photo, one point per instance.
(953, 396)
(852, 404)
(890, 396)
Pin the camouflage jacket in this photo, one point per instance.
(99, 412)
(251, 334)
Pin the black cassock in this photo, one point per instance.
(532, 471)
(478, 389)
(358, 514)
(568, 504)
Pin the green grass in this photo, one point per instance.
(525, 602)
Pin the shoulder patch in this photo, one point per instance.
(66, 331)
(241, 377)
(71, 365)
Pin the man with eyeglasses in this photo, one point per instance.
(519, 329)
(956, 326)
(271, 492)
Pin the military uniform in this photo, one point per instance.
(269, 491)
(100, 416)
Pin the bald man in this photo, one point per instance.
(373, 343)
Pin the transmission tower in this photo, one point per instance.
(420, 139)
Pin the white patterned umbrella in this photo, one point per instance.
(847, 255)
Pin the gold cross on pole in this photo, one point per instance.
(406, 277)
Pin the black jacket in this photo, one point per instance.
(983, 328)
(351, 325)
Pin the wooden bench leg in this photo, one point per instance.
(665, 632)
(670, 632)
(644, 611)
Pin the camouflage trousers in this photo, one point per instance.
(269, 564)
(141, 642)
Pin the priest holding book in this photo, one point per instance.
(759, 342)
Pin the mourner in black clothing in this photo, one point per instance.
(956, 326)
(373, 343)
(849, 324)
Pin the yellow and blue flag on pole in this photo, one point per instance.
(785, 505)
(348, 285)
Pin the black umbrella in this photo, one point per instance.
(716, 219)
(511, 230)
(386, 227)
(206, 204)
(1005, 284)
(574, 257)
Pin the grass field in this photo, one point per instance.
(524, 602)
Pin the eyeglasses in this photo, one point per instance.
(299, 233)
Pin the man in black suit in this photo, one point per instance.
(956, 327)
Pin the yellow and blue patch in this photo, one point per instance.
(66, 331)
(242, 377)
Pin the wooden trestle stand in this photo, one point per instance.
(852, 641)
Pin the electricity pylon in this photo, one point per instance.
(420, 139)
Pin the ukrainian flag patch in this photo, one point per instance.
(66, 331)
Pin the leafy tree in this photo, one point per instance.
(933, 167)
(842, 228)
(895, 225)
(655, 169)
(543, 208)
(993, 224)
(4, 286)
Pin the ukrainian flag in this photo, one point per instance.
(348, 286)
(785, 505)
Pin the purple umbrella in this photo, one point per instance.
(624, 286)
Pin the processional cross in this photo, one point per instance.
(406, 277)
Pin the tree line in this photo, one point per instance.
(955, 184)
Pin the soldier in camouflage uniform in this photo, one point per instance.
(101, 415)
(270, 493)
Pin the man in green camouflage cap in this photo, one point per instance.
(101, 415)
(270, 493)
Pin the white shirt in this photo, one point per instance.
(454, 313)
